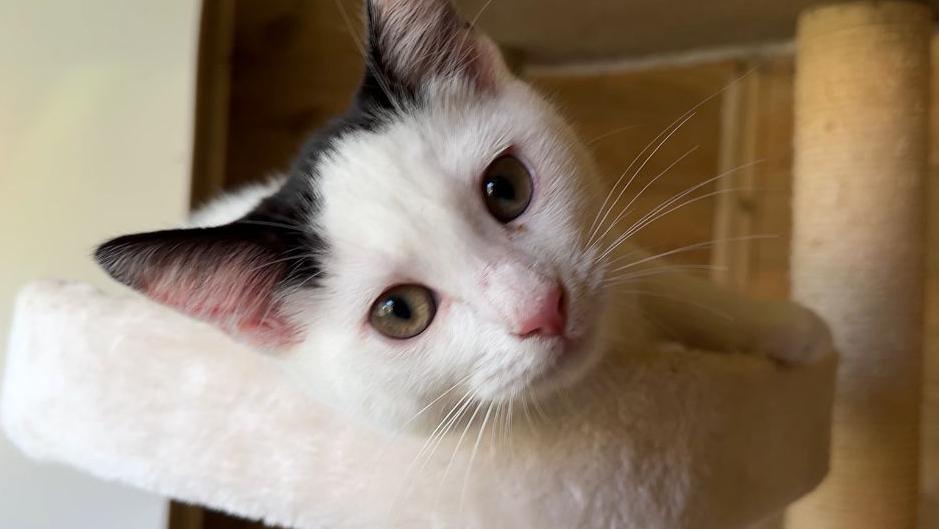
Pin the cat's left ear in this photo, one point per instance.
(411, 42)
(233, 276)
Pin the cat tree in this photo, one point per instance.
(172, 406)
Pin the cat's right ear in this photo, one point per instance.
(233, 276)
(413, 41)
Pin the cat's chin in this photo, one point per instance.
(575, 356)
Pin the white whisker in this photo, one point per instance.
(712, 310)
(611, 133)
(627, 208)
(635, 174)
(687, 248)
(469, 465)
(668, 202)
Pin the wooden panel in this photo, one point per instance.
(763, 141)
(562, 31)
(929, 513)
(212, 90)
(773, 134)
(295, 64)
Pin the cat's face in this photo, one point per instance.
(428, 249)
(500, 296)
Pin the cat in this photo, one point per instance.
(439, 245)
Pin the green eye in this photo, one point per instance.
(403, 311)
(507, 188)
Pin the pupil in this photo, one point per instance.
(499, 187)
(397, 307)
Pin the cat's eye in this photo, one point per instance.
(403, 311)
(507, 188)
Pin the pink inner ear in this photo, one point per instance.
(239, 296)
(427, 38)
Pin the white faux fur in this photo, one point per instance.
(670, 439)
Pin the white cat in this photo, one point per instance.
(438, 249)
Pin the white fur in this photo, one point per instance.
(229, 207)
(665, 439)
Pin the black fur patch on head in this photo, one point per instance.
(387, 88)
(274, 248)
(380, 95)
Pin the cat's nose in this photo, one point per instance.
(547, 316)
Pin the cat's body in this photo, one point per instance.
(437, 254)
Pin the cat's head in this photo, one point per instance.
(427, 246)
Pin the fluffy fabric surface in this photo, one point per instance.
(671, 439)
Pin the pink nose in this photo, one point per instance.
(548, 316)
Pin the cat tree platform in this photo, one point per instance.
(127, 390)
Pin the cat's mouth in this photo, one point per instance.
(570, 358)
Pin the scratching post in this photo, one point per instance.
(858, 246)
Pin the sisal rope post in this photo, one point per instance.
(858, 246)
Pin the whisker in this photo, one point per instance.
(469, 466)
(459, 443)
(640, 225)
(442, 395)
(638, 228)
(678, 196)
(629, 205)
(674, 129)
(479, 13)
(379, 75)
(277, 261)
(625, 278)
(712, 310)
(353, 34)
(688, 113)
(611, 133)
(699, 185)
(593, 225)
(309, 279)
(294, 227)
(538, 408)
(508, 427)
(686, 248)
(527, 412)
(436, 437)
(433, 440)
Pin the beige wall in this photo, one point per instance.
(95, 135)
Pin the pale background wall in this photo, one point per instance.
(95, 138)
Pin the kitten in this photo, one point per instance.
(439, 239)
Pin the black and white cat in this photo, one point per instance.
(438, 248)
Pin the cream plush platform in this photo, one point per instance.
(127, 390)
